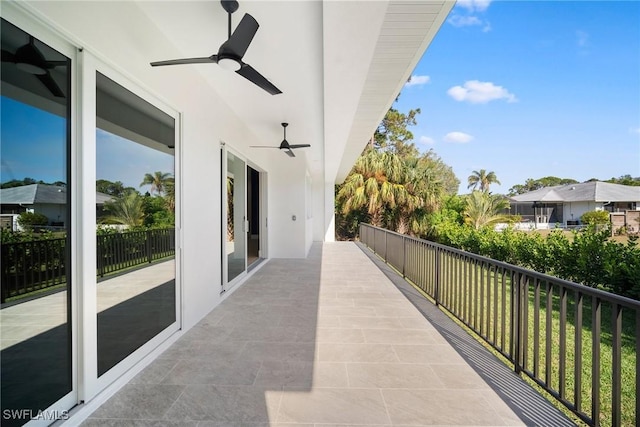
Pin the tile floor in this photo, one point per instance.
(325, 341)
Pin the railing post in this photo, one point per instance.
(515, 320)
(100, 253)
(436, 291)
(386, 245)
(148, 242)
(404, 255)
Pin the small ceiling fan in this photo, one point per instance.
(30, 59)
(230, 53)
(284, 145)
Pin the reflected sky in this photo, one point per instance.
(33, 143)
(31, 147)
(120, 159)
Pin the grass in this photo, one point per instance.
(569, 235)
(472, 293)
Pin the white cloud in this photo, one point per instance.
(474, 5)
(477, 92)
(458, 137)
(635, 131)
(425, 140)
(583, 38)
(464, 21)
(418, 80)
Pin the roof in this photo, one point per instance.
(41, 194)
(592, 191)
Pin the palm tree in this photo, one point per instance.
(127, 209)
(170, 193)
(158, 181)
(482, 179)
(375, 182)
(483, 209)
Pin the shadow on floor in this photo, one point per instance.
(526, 403)
(230, 369)
(37, 371)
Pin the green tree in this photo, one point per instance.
(484, 209)
(170, 194)
(127, 209)
(374, 184)
(482, 179)
(156, 212)
(158, 181)
(116, 189)
(535, 184)
(625, 180)
(393, 133)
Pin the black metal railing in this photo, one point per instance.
(39, 265)
(578, 343)
(120, 251)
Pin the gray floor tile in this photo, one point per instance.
(140, 401)
(322, 342)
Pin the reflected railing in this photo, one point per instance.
(30, 268)
(578, 343)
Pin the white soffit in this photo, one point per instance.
(407, 29)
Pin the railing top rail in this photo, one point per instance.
(583, 289)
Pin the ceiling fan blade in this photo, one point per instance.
(51, 84)
(262, 146)
(290, 153)
(299, 145)
(8, 56)
(205, 60)
(249, 73)
(53, 64)
(241, 38)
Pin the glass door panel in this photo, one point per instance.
(135, 212)
(236, 244)
(35, 217)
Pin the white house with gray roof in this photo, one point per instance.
(565, 204)
(49, 200)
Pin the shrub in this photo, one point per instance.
(595, 218)
(589, 258)
(30, 219)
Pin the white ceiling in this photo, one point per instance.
(339, 64)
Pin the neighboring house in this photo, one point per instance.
(49, 200)
(565, 204)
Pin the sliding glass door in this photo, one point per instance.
(236, 216)
(135, 230)
(36, 345)
(89, 219)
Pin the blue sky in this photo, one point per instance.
(532, 89)
(34, 144)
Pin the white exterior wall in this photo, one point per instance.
(287, 236)
(578, 209)
(105, 32)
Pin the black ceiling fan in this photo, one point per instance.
(284, 145)
(30, 59)
(230, 53)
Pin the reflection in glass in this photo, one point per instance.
(136, 222)
(35, 220)
(236, 219)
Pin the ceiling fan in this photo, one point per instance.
(230, 53)
(284, 145)
(30, 59)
